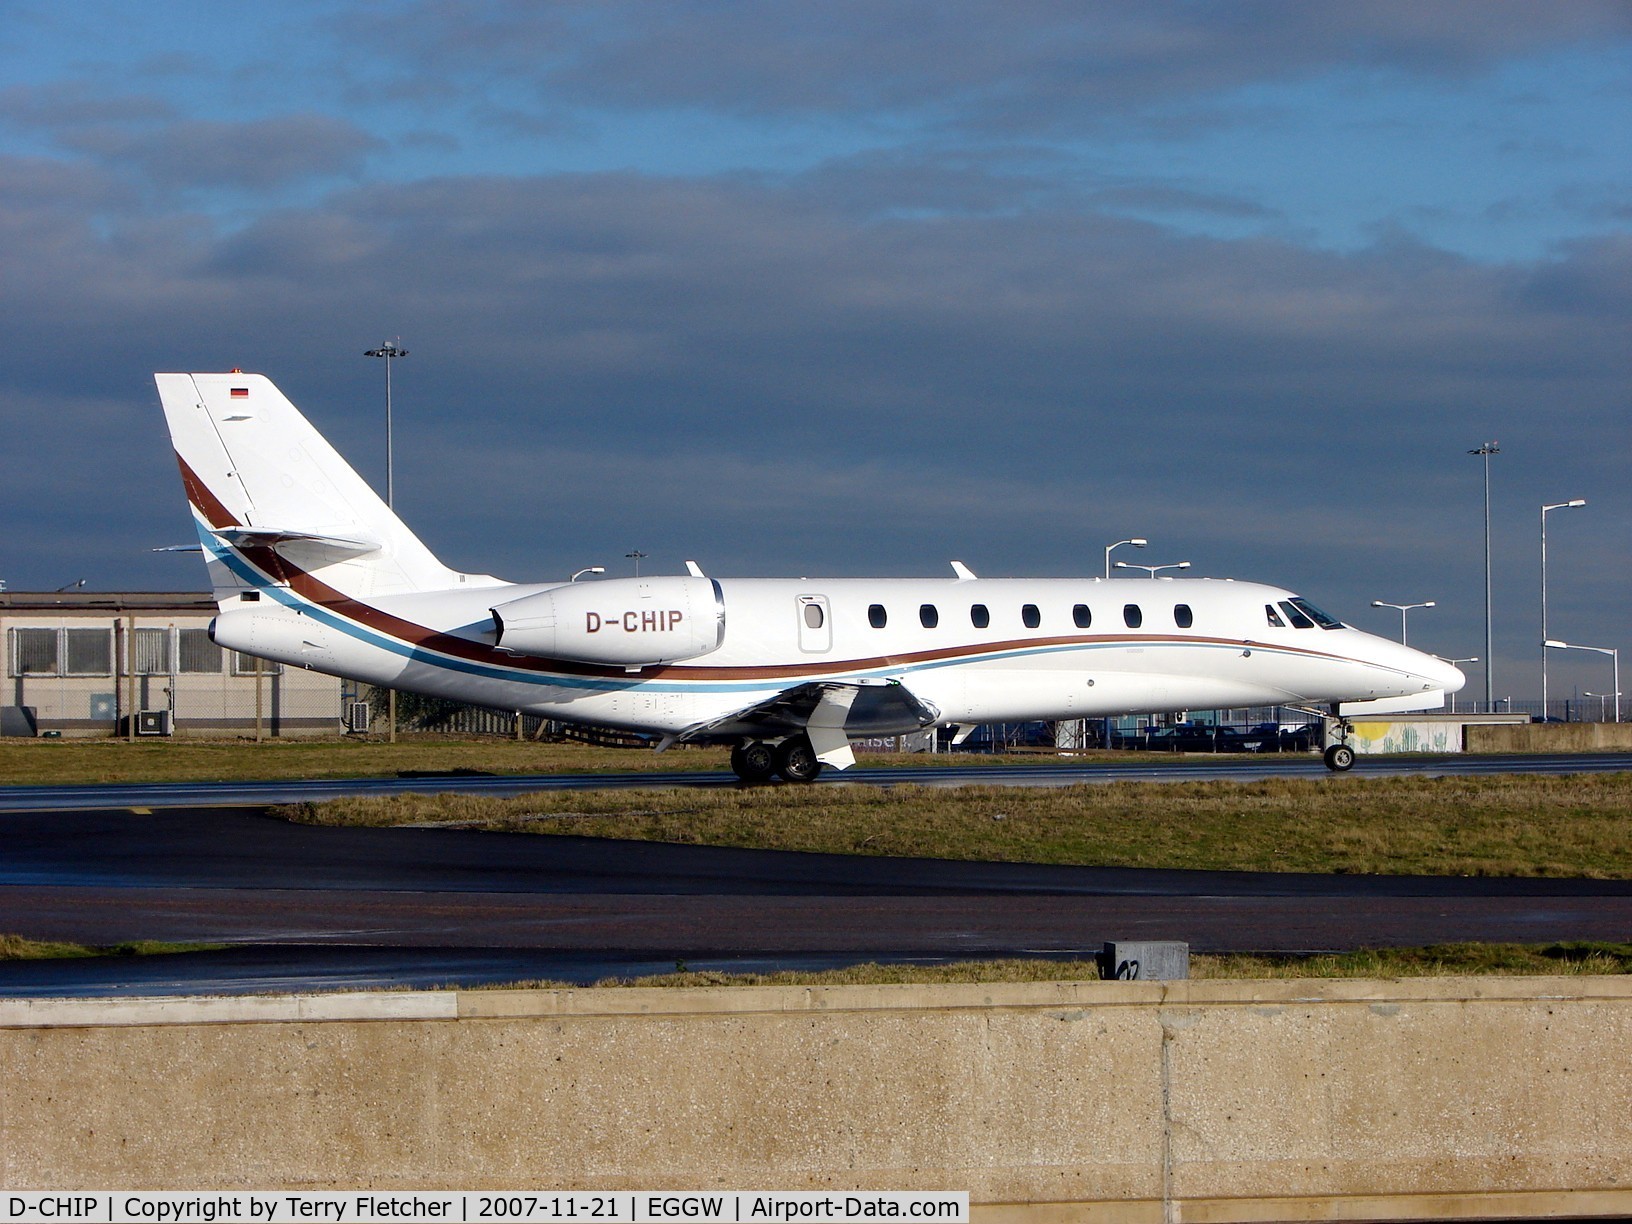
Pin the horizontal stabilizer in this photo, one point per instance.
(268, 537)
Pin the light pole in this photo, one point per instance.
(388, 351)
(1601, 697)
(1403, 609)
(1151, 569)
(1579, 501)
(1454, 663)
(591, 569)
(1615, 660)
(637, 557)
(1487, 450)
(1135, 541)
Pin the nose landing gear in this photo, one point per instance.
(1339, 757)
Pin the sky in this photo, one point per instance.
(854, 288)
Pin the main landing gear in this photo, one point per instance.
(757, 761)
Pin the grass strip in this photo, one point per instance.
(1576, 825)
(1442, 960)
(41, 762)
(19, 948)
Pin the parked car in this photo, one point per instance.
(1194, 738)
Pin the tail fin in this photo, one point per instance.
(271, 496)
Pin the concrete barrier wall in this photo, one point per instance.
(1551, 737)
(1048, 1102)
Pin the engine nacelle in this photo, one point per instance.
(627, 622)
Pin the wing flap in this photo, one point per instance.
(830, 712)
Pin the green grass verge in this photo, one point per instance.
(17, 947)
(1520, 825)
(36, 762)
(1445, 960)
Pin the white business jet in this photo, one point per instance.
(312, 569)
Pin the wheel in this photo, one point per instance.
(753, 762)
(796, 760)
(1339, 757)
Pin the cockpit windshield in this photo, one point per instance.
(1323, 619)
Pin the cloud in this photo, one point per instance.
(1032, 65)
(249, 154)
(871, 368)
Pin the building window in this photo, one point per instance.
(33, 652)
(1182, 617)
(1132, 617)
(87, 652)
(979, 617)
(196, 653)
(877, 617)
(152, 652)
(928, 616)
(246, 665)
(1030, 617)
(1081, 617)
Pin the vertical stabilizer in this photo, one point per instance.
(272, 498)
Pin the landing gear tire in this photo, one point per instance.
(754, 762)
(796, 760)
(1339, 757)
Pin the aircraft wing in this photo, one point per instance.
(830, 712)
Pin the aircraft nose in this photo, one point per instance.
(1447, 676)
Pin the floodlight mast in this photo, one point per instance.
(1136, 541)
(1402, 609)
(1152, 570)
(1487, 450)
(1579, 501)
(388, 350)
(1615, 662)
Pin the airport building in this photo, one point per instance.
(84, 663)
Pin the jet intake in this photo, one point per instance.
(625, 622)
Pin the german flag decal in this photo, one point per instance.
(240, 393)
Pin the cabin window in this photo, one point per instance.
(813, 616)
(877, 617)
(1274, 617)
(1298, 619)
(1030, 617)
(1182, 617)
(979, 617)
(928, 616)
(1132, 617)
(1081, 617)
